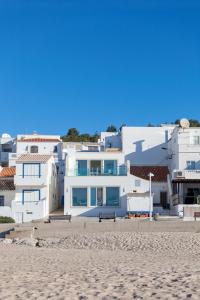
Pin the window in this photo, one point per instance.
(195, 140)
(96, 196)
(31, 196)
(137, 182)
(34, 149)
(81, 169)
(191, 165)
(32, 170)
(79, 196)
(110, 167)
(95, 167)
(1, 200)
(112, 196)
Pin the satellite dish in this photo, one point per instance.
(6, 136)
(184, 123)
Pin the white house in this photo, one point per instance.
(184, 164)
(36, 187)
(99, 181)
(7, 190)
(7, 145)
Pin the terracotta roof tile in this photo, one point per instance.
(39, 140)
(8, 172)
(33, 158)
(7, 185)
(160, 172)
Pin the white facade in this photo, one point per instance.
(7, 145)
(8, 196)
(104, 174)
(36, 187)
(184, 164)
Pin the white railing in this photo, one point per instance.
(186, 174)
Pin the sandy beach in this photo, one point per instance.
(93, 263)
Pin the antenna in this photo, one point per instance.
(184, 123)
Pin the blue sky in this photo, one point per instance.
(88, 64)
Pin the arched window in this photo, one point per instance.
(34, 149)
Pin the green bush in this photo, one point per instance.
(6, 220)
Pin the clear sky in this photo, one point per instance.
(88, 64)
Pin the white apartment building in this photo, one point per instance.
(99, 181)
(184, 165)
(35, 187)
(36, 163)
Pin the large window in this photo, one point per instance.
(34, 149)
(79, 196)
(110, 167)
(112, 196)
(1, 200)
(96, 196)
(31, 196)
(81, 167)
(32, 170)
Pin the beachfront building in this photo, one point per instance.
(145, 148)
(7, 146)
(7, 190)
(98, 179)
(184, 165)
(36, 176)
(35, 187)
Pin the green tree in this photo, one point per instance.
(111, 128)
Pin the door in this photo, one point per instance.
(163, 199)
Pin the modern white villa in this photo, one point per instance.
(40, 173)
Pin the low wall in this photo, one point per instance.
(189, 210)
(5, 211)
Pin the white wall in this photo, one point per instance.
(138, 203)
(126, 184)
(48, 193)
(158, 187)
(9, 196)
(182, 148)
(143, 145)
(111, 139)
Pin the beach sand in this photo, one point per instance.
(91, 264)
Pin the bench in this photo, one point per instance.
(196, 215)
(107, 216)
(60, 218)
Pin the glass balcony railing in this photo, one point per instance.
(118, 171)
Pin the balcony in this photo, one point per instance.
(186, 199)
(29, 180)
(186, 174)
(119, 171)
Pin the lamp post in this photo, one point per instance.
(150, 197)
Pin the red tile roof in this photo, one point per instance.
(7, 184)
(160, 172)
(8, 172)
(33, 158)
(39, 140)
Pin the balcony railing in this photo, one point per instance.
(119, 171)
(186, 174)
(185, 199)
